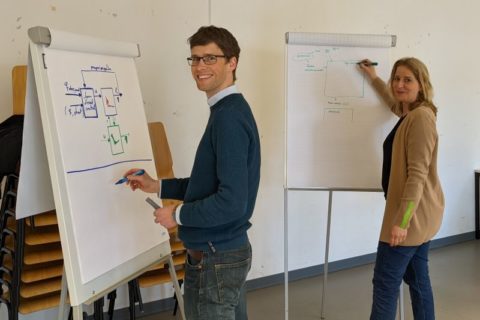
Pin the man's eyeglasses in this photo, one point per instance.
(208, 59)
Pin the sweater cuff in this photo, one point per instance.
(176, 216)
(160, 188)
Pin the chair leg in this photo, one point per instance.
(7, 304)
(176, 304)
(98, 309)
(17, 268)
(131, 298)
(138, 296)
(134, 296)
(111, 303)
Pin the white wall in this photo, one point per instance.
(441, 33)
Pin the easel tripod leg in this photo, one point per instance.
(173, 275)
(77, 312)
(63, 297)
(327, 248)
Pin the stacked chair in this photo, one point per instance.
(31, 263)
(31, 258)
(7, 238)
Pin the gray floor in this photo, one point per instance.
(454, 271)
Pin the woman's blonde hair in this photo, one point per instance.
(420, 71)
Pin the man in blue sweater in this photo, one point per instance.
(219, 196)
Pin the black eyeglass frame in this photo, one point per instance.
(194, 61)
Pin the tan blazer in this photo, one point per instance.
(415, 198)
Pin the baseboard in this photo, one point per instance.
(447, 241)
(278, 279)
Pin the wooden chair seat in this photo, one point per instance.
(178, 260)
(32, 305)
(48, 218)
(149, 280)
(12, 224)
(9, 242)
(42, 272)
(39, 288)
(42, 236)
(177, 246)
(37, 236)
(39, 254)
(37, 273)
(42, 254)
(7, 261)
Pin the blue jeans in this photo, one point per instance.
(215, 286)
(394, 264)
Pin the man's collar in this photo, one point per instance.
(222, 94)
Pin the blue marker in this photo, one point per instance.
(124, 179)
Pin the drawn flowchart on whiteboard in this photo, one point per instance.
(330, 80)
(342, 79)
(334, 117)
(99, 112)
(99, 90)
(95, 129)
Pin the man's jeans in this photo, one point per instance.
(215, 286)
(394, 264)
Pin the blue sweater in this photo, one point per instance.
(220, 194)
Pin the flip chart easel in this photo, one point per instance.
(334, 121)
(88, 126)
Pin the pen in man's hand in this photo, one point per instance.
(124, 179)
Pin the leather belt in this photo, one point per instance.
(195, 254)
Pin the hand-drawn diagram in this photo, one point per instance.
(335, 120)
(342, 79)
(99, 90)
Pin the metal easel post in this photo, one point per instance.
(173, 275)
(327, 246)
(77, 310)
(63, 297)
(285, 246)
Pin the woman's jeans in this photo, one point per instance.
(215, 285)
(394, 264)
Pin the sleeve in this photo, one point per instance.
(174, 188)
(420, 144)
(382, 90)
(230, 141)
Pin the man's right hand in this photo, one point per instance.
(143, 182)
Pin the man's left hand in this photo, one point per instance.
(164, 216)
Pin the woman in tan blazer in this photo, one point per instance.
(414, 197)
